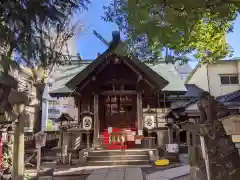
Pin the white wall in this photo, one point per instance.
(214, 71)
(199, 78)
(207, 77)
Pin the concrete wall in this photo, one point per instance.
(207, 77)
(199, 78)
(216, 88)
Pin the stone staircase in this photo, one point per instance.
(118, 157)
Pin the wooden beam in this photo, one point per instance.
(139, 111)
(96, 118)
(127, 92)
(118, 81)
(93, 78)
(80, 88)
(139, 74)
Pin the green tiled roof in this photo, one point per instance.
(65, 73)
(169, 72)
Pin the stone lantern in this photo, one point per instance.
(40, 139)
(19, 100)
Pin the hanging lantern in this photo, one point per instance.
(4, 137)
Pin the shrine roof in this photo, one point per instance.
(67, 76)
(230, 97)
(64, 73)
(169, 72)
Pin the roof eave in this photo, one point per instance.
(84, 73)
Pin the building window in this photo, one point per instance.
(229, 79)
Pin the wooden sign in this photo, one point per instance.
(231, 124)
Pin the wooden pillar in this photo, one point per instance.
(79, 110)
(139, 111)
(170, 135)
(177, 136)
(96, 118)
(88, 140)
(189, 143)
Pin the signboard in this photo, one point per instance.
(231, 124)
(205, 156)
(172, 148)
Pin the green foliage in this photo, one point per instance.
(27, 177)
(183, 27)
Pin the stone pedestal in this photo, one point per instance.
(65, 143)
(162, 138)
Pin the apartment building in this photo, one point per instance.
(221, 80)
(218, 79)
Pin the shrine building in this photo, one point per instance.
(116, 91)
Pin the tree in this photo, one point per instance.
(34, 33)
(183, 27)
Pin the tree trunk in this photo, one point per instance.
(38, 116)
(18, 150)
(223, 157)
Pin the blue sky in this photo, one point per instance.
(88, 45)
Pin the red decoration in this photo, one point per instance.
(119, 144)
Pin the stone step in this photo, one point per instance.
(118, 162)
(116, 152)
(119, 157)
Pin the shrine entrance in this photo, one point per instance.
(120, 111)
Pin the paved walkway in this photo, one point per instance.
(116, 174)
(169, 173)
(136, 174)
